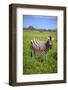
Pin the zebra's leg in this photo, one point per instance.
(40, 56)
(32, 53)
(46, 55)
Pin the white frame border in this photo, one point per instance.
(43, 77)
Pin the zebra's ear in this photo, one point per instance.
(52, 39)
(48, 38)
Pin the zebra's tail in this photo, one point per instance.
(30, 44)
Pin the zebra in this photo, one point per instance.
(40, 46)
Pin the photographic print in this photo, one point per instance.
(37, 44)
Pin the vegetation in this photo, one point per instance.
(39, 64)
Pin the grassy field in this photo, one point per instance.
(33, 66)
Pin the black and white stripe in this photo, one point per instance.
(35, 43)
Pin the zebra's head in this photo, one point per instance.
(50, 41)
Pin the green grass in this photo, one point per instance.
(33, 66)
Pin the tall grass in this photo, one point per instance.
(39, 64)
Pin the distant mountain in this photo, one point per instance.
(29, 28)
(32, 28)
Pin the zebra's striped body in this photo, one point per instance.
(39, 46)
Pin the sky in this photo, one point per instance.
(40, 22)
